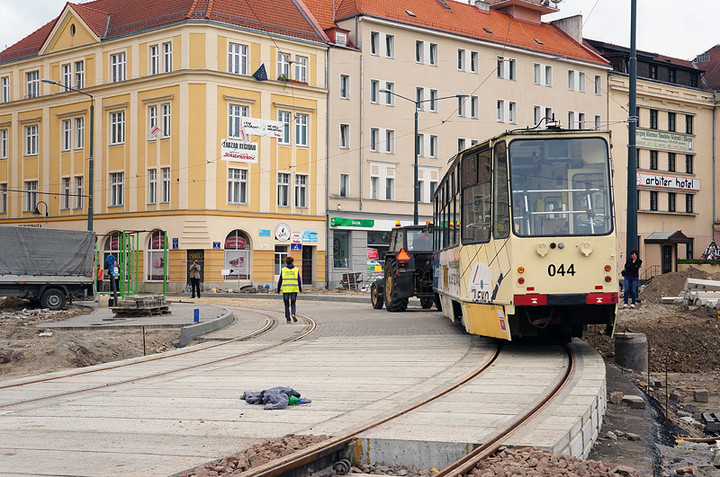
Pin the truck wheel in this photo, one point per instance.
(376, 296)
(53, 298)
(427, 302)
(392, 301)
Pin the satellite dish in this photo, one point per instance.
(556, 1)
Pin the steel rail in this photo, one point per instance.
(312, 453)
(311, 325)
(467, 463)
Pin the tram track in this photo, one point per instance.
(270, 323)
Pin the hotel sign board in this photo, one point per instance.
(668, 182)
(663, 140)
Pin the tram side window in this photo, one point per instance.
(501, 203)
(476, 201)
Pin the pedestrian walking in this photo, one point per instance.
(195, 278)
(290, 285)
(631, 272)
(99, 274)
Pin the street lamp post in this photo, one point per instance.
(91, 164)
(417, 103)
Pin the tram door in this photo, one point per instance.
(667, 252)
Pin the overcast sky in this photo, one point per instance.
(682, 29)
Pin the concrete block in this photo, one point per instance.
(616, 397)
(635, 402)
(701, 395)
(676, 396)
(670, 300)
(698, 284)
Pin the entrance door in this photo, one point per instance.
(307, 264)
(667, 258)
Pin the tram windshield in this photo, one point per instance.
(560, 187)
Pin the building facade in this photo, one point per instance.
(191, 151)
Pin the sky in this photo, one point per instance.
(677, 28)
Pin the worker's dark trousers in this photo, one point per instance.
(289, 300)
(195, 286)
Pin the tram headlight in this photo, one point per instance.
(608, 268)
(542, 248)
(521, 269)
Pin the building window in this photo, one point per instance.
(66, 135)
(79, 133)
(506, 111)
(341, 249)
(344, 86)
(689, 251)
(581, 81)
(433, 146)
(653, 119)
(157, 265)
(166, 120)
(598, 122)
(420, 98)
(671, 122)
(653, 200)
(154, 59)
(374, 137)
(283, 189)
(461, 106)
(689, 203)
(694, 80)
(31, 195)
(152, 186)
(236, 113)
(598, 85)
(5, 89)
(688, 164)
(671, 162)
(344, 136)
(67, 75)
(79, 192)
(672, 75)
(390, 46)
(654, 160)
(165, 184)
(283, 65)
(420, 144)
(688, 124)
(389, 141)
(653, 72)
(389, 98)
(581, 120)
(433, 100)
(474, 60)
(548, 75)
(461, 59)
(79, 74)
(389, 188)
(301, 130)
(116, 188)
(237, 256)
(117, 127)
(671, 201)
(3, 143)
(571, 120)
(433, 54)
(344, 185)
(374, 42)
(167, 57)
(32, 80)
(374, 90)
(506, 68)
(237, 59)
(419, 51)
(301, 63)
(66, 189)
(374, 187)
(474, 107)
(461, 143)
(284, 118)
(576, 81)
(3, 198)
(237, 186)
(153, 121)
(117, 67)
(571, 80)
(301, 191)
(31, 140)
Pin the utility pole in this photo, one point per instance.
(631, 239)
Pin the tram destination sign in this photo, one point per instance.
(668, 182)
(663, 140)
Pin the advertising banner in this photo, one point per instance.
(664, 140)
(262, 127)
(237, 262)
(235, 150)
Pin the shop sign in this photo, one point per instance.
(663, 140)
(238, 151)
(342, 222)
(309, 236)
(295, 246)
(282, 232)
(667, 182)
(372, 253)
(264, 233)
(235, 242)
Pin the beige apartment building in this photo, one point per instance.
(188, 144)
(513, 68)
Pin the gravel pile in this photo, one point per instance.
(531, 462)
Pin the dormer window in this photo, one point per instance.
(340, 38)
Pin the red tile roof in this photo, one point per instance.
(132, 16)
(462, 19)
(712, 68)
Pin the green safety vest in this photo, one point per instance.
(290, 278)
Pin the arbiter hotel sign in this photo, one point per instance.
(668, 182)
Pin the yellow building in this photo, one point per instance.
(188, 138)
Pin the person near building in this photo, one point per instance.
(99, 274)
(290, 285)
(195, 278)
(113, 275)
(631, 272)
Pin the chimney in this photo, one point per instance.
(572, 26)
(481, 5)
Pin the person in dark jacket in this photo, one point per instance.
(631, 272)
(195, 278)
(290, 285)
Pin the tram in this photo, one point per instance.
(525, 243)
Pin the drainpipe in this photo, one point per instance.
(327, 172)
(362, 123)
(714, 165)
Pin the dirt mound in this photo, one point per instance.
(669, 284)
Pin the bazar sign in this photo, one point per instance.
(238, 151)
(663, 140)
(668, 182)
(341, 222)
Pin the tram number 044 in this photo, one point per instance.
(561, 270)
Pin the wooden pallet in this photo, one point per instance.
(149, 311)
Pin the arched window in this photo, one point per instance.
(156, 255)
(237, 255)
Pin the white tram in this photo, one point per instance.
(525, 243)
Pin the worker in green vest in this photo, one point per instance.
(290, 285)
